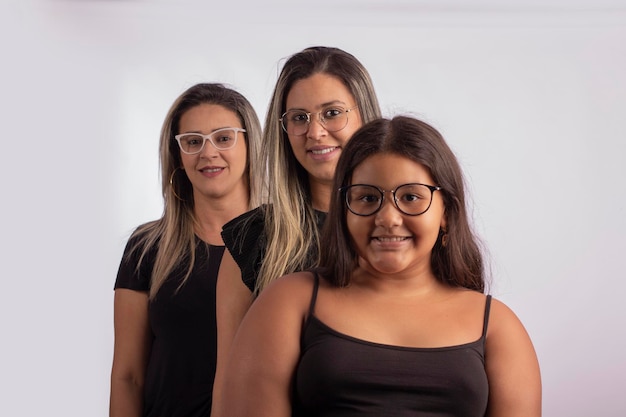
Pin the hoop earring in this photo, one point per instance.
(172, 184)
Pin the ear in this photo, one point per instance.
(444, 220)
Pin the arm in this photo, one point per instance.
(512, 366)
(233, 299)
(130, 352)
(266, 350)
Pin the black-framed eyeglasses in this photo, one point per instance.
(297, 122)
(221, 139)
(411, 199)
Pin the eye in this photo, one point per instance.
(364, 195)
(224, 138)
(193, 140)
(331, 113)
(298, 117)
(412, 194)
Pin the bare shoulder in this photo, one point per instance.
(502, 318)
(292, 291)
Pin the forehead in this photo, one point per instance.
(317, 91)
(388, 170)
(208, 117)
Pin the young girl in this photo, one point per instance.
(394, 321)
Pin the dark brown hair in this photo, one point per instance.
(460, 262)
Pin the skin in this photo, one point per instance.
(393, 281)
(314, 94)
(220, 193)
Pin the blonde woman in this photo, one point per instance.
(165, 293)
(322, 96)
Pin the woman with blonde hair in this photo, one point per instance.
(322, 96)
(165, 292)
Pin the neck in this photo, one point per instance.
(321, 193)
(211, 214)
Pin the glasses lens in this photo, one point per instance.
(295, 122)
(191, 143)
(224, 138)
(363, 200)
(334, 118)
(413, 199)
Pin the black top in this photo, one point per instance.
(246, 240)
(339, 375)
(181, 367)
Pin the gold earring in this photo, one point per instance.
(172, 184)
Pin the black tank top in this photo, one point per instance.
(339, 375)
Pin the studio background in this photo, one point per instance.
(531, 95)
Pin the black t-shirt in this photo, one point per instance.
(181, 367)
(246, 240)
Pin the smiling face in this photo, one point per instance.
(214, 173)
(318, 149)
(389, 241)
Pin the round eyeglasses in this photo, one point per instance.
(222, 139)
(297, 122)
(411, 199)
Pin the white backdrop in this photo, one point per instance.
(531, 96)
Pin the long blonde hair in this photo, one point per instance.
(290, 220)
(173, 234)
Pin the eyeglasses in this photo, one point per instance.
(296, 122)
(221, 139)
(411, 199)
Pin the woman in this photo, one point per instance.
(165, 307)
(394, 321)
(322, 96)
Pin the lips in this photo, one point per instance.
(389, 239)
(211, 170)
(323, 151)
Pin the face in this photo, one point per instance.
(214, 173)
(318, 150)
(389, 241)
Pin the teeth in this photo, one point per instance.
(322, 151)
(212, 169)
(391, 239)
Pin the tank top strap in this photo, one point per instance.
(486, 318)
(316, 285)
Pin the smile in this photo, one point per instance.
(211, 170)
(322, 151)
(391, 239)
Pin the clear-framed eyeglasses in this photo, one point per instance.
(333, 118)
(221, 139)
(411, 199)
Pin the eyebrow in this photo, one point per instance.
(327, 104)
(212, 131)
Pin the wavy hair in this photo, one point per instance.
(173, 234)
(460, 262)
(289, 217)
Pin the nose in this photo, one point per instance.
(316, 129)
(208, 151)
(388, 215)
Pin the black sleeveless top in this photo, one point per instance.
(339, 375)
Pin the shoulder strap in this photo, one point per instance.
(486, 318)
(316, 285)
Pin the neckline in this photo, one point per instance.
(479, 341)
